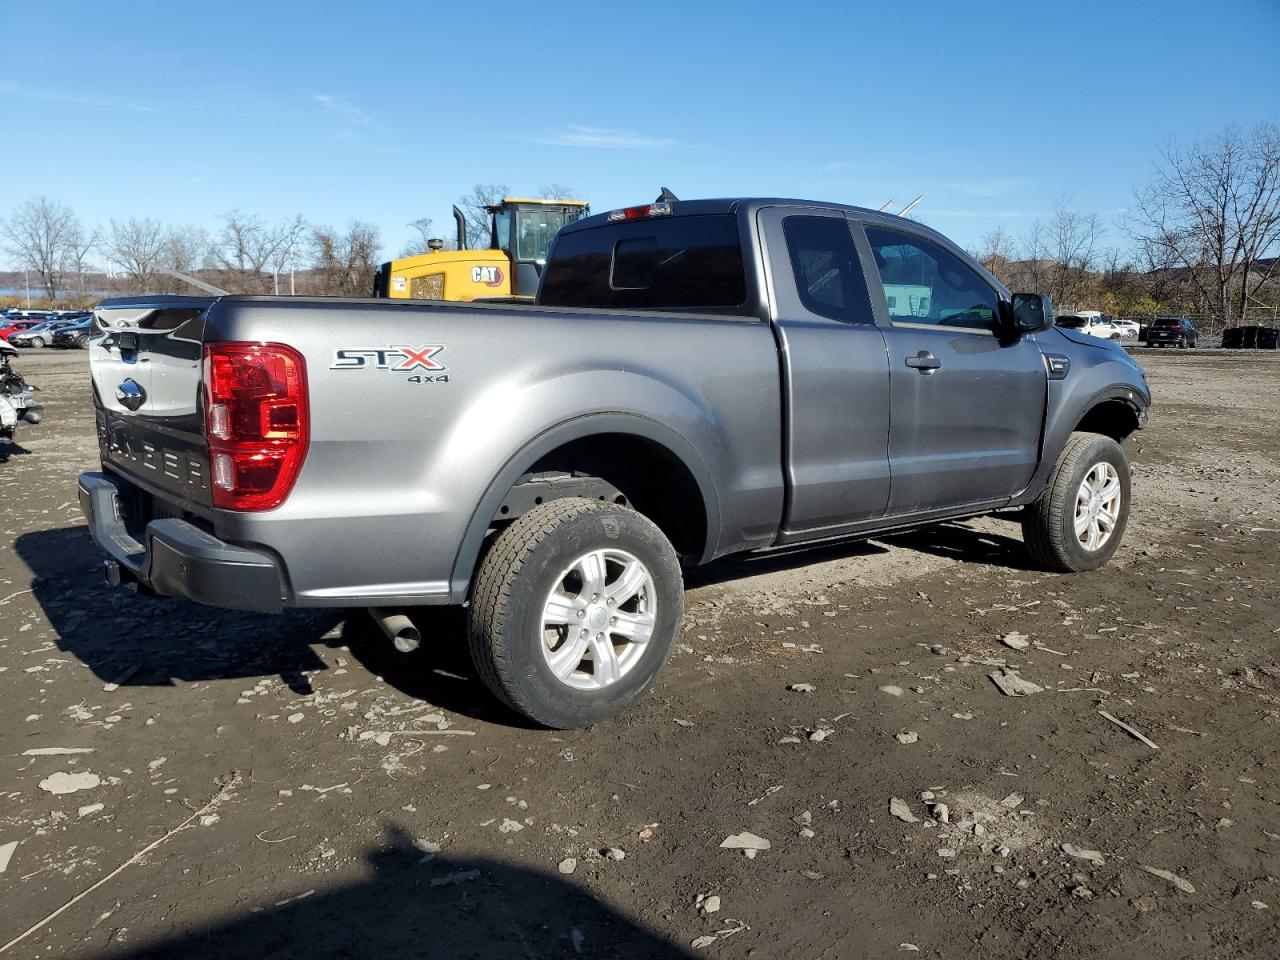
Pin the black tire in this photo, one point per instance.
(82, 341)
(521, 566)
(1048, 523)
(1182, 344)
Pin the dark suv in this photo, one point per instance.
(1165, 331)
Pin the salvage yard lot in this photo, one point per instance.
(338, 799)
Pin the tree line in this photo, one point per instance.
(1202, 236)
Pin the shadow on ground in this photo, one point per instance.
(135, 640)
(447, 907)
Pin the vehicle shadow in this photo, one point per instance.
(12, 449)
(448, 907)
(958, 541)
(776, 561)
(137, 640)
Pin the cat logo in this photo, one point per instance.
(489, 276)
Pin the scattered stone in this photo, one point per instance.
(801, 687)
(807, 833)
(892, 690)
(1093, 856)
(962, 716)
(817, 736)
(60, 783)
(1012, 685)
(567, 865)
(209, 819)
(745, 841)
(510, 826)
(941, 812)
(908, 736)
(1256, 904)
(708, 904)
(1015, 640)
(899, 809)
(6, 854)
(813, 875)
(614, 853)
(946, 853)
(909, 946)
(1081, 892)
(90, 809)
(295, 717)
(1183, 885)
(1012, 801)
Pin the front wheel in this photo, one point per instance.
(36, 342)
(82, 341)
(1078, 520)
(574, 611)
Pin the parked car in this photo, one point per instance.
(1167, 331)
(1094, 325)
(41, 335)
(694, 379)
(75, 333)
(13, 327)
(1128, 329)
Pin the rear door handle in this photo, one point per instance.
(925, 362)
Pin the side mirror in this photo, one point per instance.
(1032, 312)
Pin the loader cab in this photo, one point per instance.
(523, 229)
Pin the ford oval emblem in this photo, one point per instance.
(130, 394)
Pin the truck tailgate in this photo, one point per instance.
(146, 384)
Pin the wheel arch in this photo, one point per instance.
(573, 435)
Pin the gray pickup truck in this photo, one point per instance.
(695, 379)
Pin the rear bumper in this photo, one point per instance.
(177, 558)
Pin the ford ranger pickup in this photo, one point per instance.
(694, 379)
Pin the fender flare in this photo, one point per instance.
(468, 555)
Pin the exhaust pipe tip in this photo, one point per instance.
(404, 636)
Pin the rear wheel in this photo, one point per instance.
(574, 611)
(1077, 522)
(36, 342)
(82, 341)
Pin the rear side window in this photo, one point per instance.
(825, 264)
(674, 263)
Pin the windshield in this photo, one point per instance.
(1073, 322)
(535, 229)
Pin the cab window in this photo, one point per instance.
(535, 229)
(923, 283)
(825, 264)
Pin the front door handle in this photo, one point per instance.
(925, 362)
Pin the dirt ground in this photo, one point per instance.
(248, 786)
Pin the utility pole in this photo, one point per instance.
(26, 271)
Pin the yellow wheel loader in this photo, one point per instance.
(520, 233)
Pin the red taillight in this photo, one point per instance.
(255, 418)
(660, 209)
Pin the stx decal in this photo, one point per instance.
(397, 359)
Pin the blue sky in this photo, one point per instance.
(387, 112)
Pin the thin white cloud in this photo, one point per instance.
(23, 92)
(604, 138)
(341, 107)
(835, 166)
(995, 187)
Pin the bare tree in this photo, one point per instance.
(421, 235)
(36, 235)
(137, 245)
(187, 248)
(1072, 250)
(250, 253)
(1213, 209)
(474, 208)
(557, 191)
(997, 253)
(79, 244)
(344, 262)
